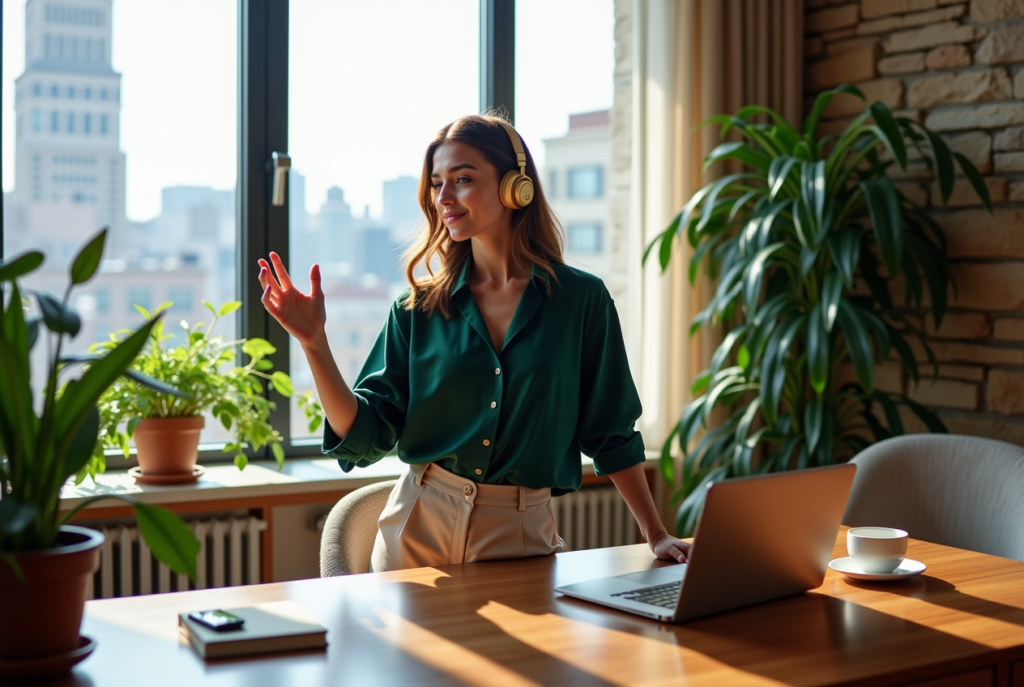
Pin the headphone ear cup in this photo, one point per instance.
(523, 190)
(516, 190)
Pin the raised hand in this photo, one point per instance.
(302, 315)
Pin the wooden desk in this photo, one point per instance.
(961, 623)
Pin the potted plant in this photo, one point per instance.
(806, 245)
(166, 429)
(45, 564)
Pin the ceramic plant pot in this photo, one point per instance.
(41, 615)
(168, 446)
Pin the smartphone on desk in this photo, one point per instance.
(218, 620)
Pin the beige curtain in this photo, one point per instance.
(689, 59)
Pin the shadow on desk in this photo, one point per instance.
(941, 593)
(795, 640)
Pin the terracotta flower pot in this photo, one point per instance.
(168, 445)
(42, 616)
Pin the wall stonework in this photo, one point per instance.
(958, 67)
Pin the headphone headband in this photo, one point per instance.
(516, 188)
(517, 145)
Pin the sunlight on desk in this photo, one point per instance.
(443, 654)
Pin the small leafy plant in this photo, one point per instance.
(205, 368)
(806, 246)
(42, 445)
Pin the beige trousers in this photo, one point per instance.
(434, 517)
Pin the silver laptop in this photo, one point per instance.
(758, 539)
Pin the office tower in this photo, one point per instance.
(402, 210)
(574, 181)
(67, 107)
(337, 224)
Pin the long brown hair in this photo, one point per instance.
(536, 233)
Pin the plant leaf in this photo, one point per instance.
(888, 131)
(20, 265)
(168, 538)
(844, 247)
(858, 344)
(88, 259)
(229, 308)
(100, 375)
(58, 316)
(15, 516)
(905, 352)
(884, 207)
(943, 161)
(926, 416)
(813, 412)
(282, 383)
(753, 277)
(892, 416)
(257, 348)
(822, 101)
(818, 348)
(77, 451)
(977, 183)
(134, 375)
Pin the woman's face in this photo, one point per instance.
(466, 192)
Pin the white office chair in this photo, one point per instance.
(350, 530)
(954, 490)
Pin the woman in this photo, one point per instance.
(491, 374)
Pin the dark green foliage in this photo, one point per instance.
(804, 247)
(40, 449)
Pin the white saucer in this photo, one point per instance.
(908, 568)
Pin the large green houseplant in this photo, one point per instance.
(204, 367)
(44, 443)
(806, 245)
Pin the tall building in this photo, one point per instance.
(402, 208)
(67, 108)
(575, 180)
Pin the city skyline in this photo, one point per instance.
(153, 87)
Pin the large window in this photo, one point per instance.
(565, 57)
(170, 147)
(161, 174)
(369, 86)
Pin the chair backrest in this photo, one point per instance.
(350, 530)
(959, 491)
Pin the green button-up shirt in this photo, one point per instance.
(559, 386)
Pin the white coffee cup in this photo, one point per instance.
(876, 550)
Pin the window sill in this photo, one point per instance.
(259, 479)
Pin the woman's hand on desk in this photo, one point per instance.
(671, 549)
(302, 315)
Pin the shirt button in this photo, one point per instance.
(479, 471)
(468, 488)
(487, 442)
(497, 370)
(494, 404)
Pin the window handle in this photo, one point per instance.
(282, 163)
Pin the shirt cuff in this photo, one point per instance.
(616, 458)
(356, 444)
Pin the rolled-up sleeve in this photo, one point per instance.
(609, 403)
(382, 394)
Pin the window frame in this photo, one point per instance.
(262, 129)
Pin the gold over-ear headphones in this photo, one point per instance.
(516, 188)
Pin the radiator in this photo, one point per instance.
(229, 555)
(593, 518)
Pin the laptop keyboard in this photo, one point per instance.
(664, 595)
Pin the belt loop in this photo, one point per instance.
(522, 498)
(419, 470)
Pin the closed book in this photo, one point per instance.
(269, 627)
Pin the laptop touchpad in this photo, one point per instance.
(666, 575)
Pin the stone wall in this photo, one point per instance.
(958, 67)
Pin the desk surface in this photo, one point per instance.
(500, 623)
